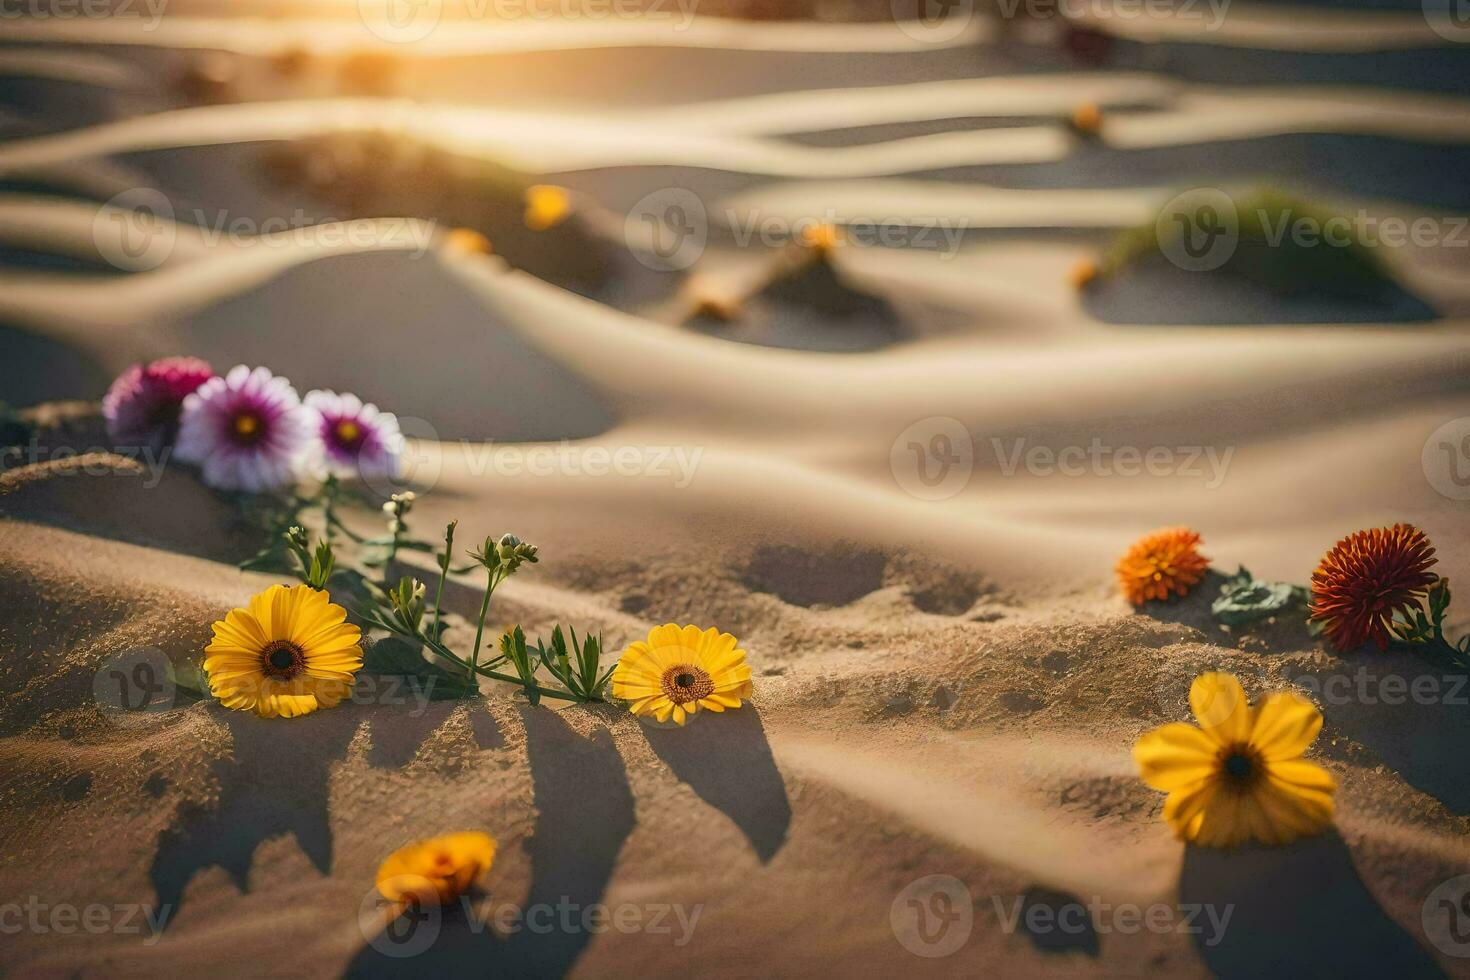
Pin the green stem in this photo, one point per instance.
(490, 584)
(329, 508)
(1445, 649)
(443, 574)
(545, 692)
(481, 669)
(485, 671)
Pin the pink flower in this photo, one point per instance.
(142, 407)
(247, 430)
(354, 439)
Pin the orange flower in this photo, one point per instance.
(1366, 578)
(1083, 274)
(1087, 119)
(821, 239)
(1161, 563)
(546, 206)
(438, 870)
(468, 240)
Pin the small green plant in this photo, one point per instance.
(577, 664)
(402, 611)
(1270, 248)
(1424, 628)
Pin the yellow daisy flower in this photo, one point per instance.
(438, 870)
(679, 670)
(1239, 776)
(546, 206)
(286, 654)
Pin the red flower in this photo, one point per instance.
(1366, 578)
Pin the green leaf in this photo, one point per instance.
(189, 680)
(1245, 598)
(1439, 600)
(396, 657)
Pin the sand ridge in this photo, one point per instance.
(943, 686)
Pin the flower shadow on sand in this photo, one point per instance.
(727, 761)
(277, 781)
(1296, 911)
(584, 815)
(1405, 710)
(1288, 632)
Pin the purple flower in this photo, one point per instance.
(142, 407)
(353, 439)
(247, 430)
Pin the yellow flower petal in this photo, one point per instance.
(1220, 706)
(1302, 775)
(1174, 756)
(1285, 724)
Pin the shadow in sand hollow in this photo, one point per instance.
(276, 782)
(421, 307)
(1409, 712)
(1294, 911)
(1353, 164)
(36, 368)
(1153, 292)
(727, 761)
(584, 814)
(1286, 631)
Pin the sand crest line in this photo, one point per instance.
(548, 143)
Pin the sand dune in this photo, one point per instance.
(486, 36)
(1279, 27)
(946, 683)
(565, 142)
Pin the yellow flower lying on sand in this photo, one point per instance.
(1240, 775)
(679, 670)
(438, 870)
(288, 653)
(546, 206)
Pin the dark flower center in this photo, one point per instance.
(1240, 766)
(282, 660)
(248, 428)
(347, 433)
(683, 683)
